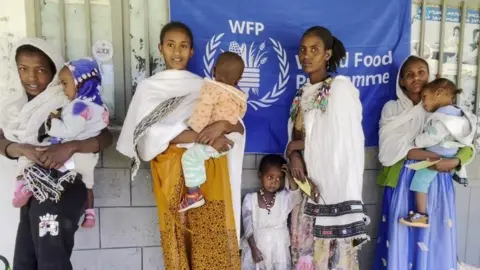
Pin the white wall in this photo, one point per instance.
(12, 27)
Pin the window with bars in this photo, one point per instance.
(131, 26)
(446, 34)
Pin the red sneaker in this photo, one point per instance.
(190, 201)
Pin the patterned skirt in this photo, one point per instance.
(201, 238)
(402, 247)
(318, 254)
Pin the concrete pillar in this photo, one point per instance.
(13, 26)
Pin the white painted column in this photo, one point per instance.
(13, 26)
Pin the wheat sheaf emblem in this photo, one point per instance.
(254, 57)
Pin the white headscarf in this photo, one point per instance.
(400, 124)
(20, 119)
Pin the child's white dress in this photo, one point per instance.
(269, 230)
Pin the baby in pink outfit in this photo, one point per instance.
(219, 100)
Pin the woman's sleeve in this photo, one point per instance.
(388, 176)
(247, 217)
(465, 155)
(157, 139)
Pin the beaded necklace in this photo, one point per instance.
(319, 100)
(267, 204)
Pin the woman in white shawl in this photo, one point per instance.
(46, 230)
(402, 120)
(155, 130)
(327, 148)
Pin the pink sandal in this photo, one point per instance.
(89, 219)
(21, 195)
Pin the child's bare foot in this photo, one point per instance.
(89, 219)
(418, 220)
(21, 195)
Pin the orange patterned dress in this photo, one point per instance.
(212, 242)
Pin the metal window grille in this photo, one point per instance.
(131, 26)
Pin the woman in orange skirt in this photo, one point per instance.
(155, 131)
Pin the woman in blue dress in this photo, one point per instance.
(400, 247)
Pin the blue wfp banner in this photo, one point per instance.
(266, 34)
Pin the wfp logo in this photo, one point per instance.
(255, 55)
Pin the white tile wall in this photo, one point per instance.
(127, 231)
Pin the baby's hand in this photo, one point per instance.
(211, 133)
(286, 170)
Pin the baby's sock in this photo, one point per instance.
(192, 190)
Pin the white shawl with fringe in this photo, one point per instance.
(155, 90)
(21, 119)
(335, 149)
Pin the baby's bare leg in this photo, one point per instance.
(421, 202)
(90, 199)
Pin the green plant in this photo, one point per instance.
(5, 262)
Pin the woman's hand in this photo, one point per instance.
(315, 196)
(446, 165)
(212, 132)
(55, 156)
(295, 146)
(222, 144)
(297, 167)
(420, 154)
(28, 151)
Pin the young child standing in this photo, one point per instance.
(219, 100)
(84, 117)
(447, 129)
(266, 241)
